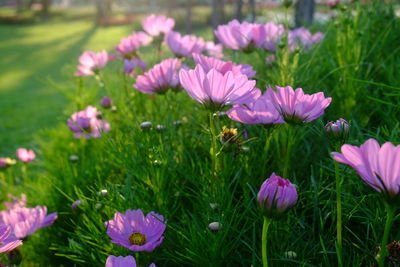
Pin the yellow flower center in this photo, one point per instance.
(137, 238)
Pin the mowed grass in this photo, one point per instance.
(30, 56)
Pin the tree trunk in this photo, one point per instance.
(304, 12)
(252, 10)
(217, 16)
(239, 10)
(188, 20)
(45, 8)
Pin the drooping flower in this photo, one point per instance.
(302, 37)
(160, 78)
(25, 221)
(276, 195)
(155, 25)
(7, 241)
(186, 45)
(214, 50)
(128, 46)
(208, 63)
(261, 111)
(297, 107)
(215, 89)
(378, 166)
(273, 34)
(135, 231)
(241, 36)
(7, 162)
(130, 66)
(16, 202)
(91, 62)
(25, 155)
(86, 123)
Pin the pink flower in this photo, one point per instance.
(261, 111)
(297, 107)
(333, 3)
(106, 102)
(86, 123)
(241, 36)
(276, 195)
(91, 62)
(7, 241)
(128, 46)
(16, 203)
(131, 66)
(214, 50)
(135, 231)
(302, 37)
(185, 46)
(156, 25)
(120, 261)
(273, 34)
(208, 63)
(160, 78)
(378, 166)
(6, 162)
(25, 155)
(216, 89)
(25, 221)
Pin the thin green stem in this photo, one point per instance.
(266, 224)
(388, 225)
(339, 248)
(213, 149)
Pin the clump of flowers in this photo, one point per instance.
(86, 123)
(160, 78)
(135, 231)
(91, 62)
(186, 45)
(25, 221)
(156, 25)
(25, 155)
(128, 46)
(297, 107)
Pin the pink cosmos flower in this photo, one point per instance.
(128, 46)
(302, 37)
(208, 63)
(131, 66)
(91, 62)
(216, 89)
(261, 111)
(241, 36)
(86, 123)
(6, 162)
(25, 221)
(7, 241)
(25, 155)
(276, 195)
(378, 166)
(214, 50)
(135, 231)
(120, 261)
(16, 202)
(160, 78)
(273, 34)
(156, 25)
(186, 45)
(297, 107)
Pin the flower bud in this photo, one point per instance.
(276, 195)
(103, 193)
(290, 255)
(146, 125)
(229, 136)
(338, 130)
(73, 158)
(106, 102)
(76, 204)
(215, 226)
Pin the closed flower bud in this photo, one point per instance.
(276, 195)
(146, 125)
(290, 255)
(76, 204)
(338, 130)
(215, 226)
(106, 102)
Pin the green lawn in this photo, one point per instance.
(30, 56)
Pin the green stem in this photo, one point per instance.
(266, 224)
(389, 220)
(213, 149)
(339, 248)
